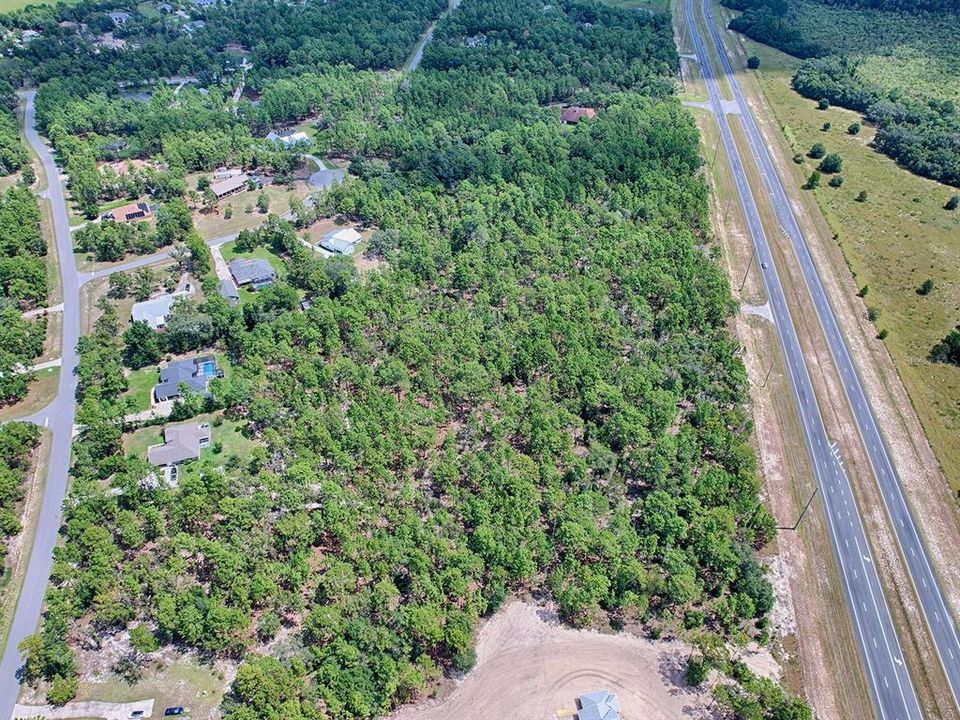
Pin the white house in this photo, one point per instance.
(341, 242)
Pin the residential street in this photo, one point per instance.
(58, 418)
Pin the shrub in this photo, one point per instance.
(832, 163)
(952, 203)
(926, 287)
(826, 126)
(873, 314)
(836, 181)
(62, 690)
(948, 349)
(862, 197)
(882, 335)
(753, 62)
(863, 291)
(823, 104)
(813, 181)
(854, 128)
(697, 669)
(798, 159)
(817, 151)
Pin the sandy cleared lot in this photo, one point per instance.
(530, 666)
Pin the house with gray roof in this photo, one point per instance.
(256, 273)
(181, 443)
(119, 18)
(229, 186)
(598, 705)
(228, 291)
(195, 373)
(154, 312)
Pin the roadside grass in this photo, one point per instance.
(892, 243)
(54, 338)
(41, 393)
(12, 581)
(180, 680)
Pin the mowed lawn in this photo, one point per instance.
(227, 437)
(140, 382)
(893, 242)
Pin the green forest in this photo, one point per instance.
(537, 390)
(17, 440)
(893, 61)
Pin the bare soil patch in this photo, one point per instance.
(529, 665)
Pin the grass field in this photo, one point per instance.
(41, 393)
(914, 54)
(213, 224)
(893, 242)
(11, 5)
(170, 681)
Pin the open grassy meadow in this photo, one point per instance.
(893, 242)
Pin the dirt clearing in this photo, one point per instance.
(531, 666)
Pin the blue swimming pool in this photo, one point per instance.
(209, 368)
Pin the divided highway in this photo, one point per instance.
(936, 613)
(887, 675)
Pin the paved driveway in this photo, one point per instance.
(88, 709)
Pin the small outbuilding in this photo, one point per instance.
(228, 291)
(598, 705)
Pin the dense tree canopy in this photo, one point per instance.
(537, 390)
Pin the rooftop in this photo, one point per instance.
(194, 372)
(575, 114)
(598, 705)
(181, 443)
(252, 271)
(229, 185)
(154, 312)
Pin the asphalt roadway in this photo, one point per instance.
(939, 620)
(887, 675)
(57, 417)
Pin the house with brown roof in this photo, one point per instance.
(129, 213)
(574, 114)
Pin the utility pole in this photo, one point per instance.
(767, 377)
(802, 512)
(746, 272)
